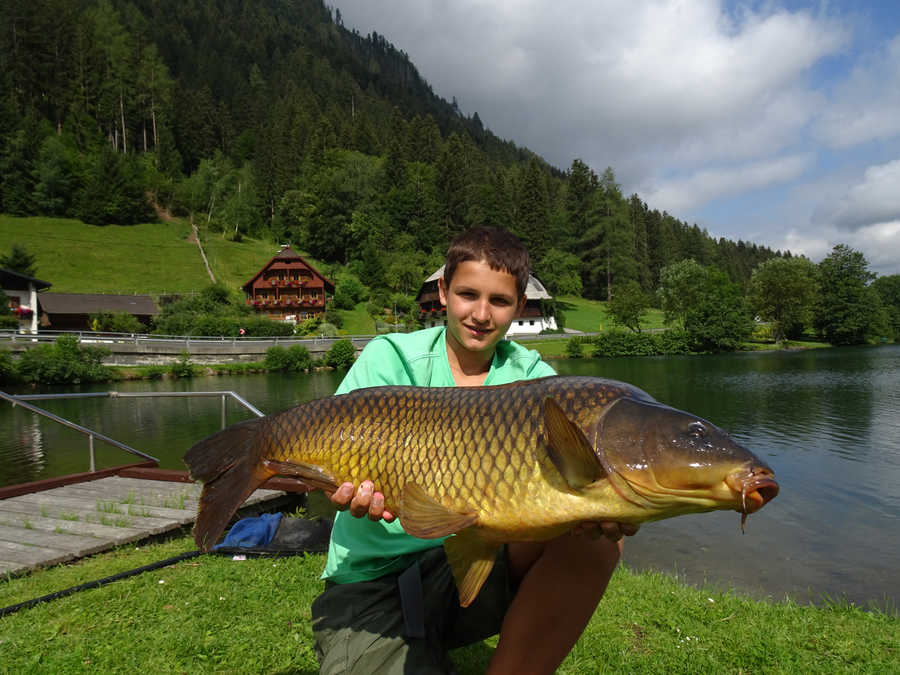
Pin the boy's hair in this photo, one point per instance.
(498, 248)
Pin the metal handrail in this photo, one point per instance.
(14, 335)
(22, 400)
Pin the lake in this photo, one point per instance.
(827, 421)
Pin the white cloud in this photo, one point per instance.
(690, 101)
(879, 243)
(711, 183)
(874, 200)
(635, 85)
(865, 106)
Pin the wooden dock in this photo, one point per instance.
(68, 522)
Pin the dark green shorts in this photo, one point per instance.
(362, 628)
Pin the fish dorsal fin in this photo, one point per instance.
(471, 559)
(569, 450)
(312, 475)
(423, 517)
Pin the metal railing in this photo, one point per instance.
(91, 337)
(22, 401)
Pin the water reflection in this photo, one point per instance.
(828, 421)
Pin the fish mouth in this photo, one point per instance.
(757, 489)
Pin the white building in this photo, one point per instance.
(530, 321)
(22, 292)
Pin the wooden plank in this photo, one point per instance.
(109, 533)
(168, 475)
(46, 510)
(50, 483)
(30, 556)
(143, 484)
(151, 524)
(277, 483)
(78, 546)
(108, 507)
(125, 496)
(124, 486)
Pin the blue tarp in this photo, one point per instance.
(252, 532)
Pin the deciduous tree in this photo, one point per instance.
(784, 291)
(848, 309)
(629, 305)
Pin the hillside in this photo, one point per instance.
(270, 121)
(152, 258)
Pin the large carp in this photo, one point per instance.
(517, 462)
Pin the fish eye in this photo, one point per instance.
(697, 429)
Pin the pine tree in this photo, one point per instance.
(19, 260)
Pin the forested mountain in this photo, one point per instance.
(270, 118)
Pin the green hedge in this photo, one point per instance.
(64, 362)
(292, 359)
(341, 355)
(622, 343)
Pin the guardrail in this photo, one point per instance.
(22, 400)
(90, 337)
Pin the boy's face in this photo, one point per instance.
(481, 304)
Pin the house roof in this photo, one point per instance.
(92, 303)
(533, 291)
(279, 261)
(15, 281)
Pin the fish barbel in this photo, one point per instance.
(518, 462)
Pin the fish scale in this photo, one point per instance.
(517, 462)
(448, 437)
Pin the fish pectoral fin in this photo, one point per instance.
(471, 559)
(423, 517)
(569, 449)
(312, 475)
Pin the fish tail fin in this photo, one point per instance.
(230, 466)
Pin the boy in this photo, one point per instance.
(390, 603)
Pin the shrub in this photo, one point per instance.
(64, 362)
(574, 348)
(341, 355)
(116, 322)
(673, 342)
(309, 326)
(183, 366)
(293, 359)
(7, 367)
(334, 317)
(620, 343)
(349, 291)
(327, 329)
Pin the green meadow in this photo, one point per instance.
(213, 614)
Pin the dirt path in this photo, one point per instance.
(195, 236)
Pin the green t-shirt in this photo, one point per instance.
(361, 549)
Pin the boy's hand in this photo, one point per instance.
(606, 528)
(362, 501)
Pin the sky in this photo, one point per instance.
(772, 121)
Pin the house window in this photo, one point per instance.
(521, 323)
(531, 323)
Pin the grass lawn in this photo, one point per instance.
(590, 316)
(77, 258)
(357, 321)
(212, 614)
(234, 263)
(548, 348)
(153, 258)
